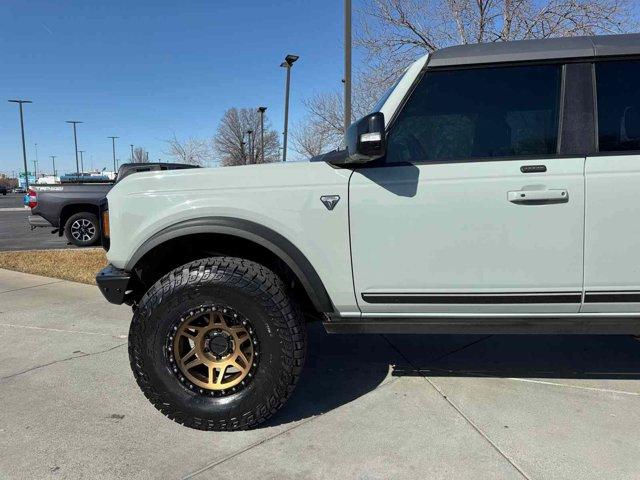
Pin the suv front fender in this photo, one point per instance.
(259, 234)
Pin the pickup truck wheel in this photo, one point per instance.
(82, 229)
(217, 344)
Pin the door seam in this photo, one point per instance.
(353, 273)
(584, 233)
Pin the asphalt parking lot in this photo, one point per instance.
(14, 229)
(367, 407)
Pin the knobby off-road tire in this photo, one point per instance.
(82, 229)
(253, 299)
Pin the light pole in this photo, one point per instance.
(35, 168)
(262, 110)
(75, 139)
(24, 148)
(250, 146)
(289, 60)
(132, 153)
(347, 64)
(113, 146)
(53, 159)
(81, 152)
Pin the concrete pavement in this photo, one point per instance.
(367, 407)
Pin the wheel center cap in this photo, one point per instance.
(219, 343)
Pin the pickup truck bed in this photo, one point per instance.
(57, 203)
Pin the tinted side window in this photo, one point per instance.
(479, 113)
(618, 105)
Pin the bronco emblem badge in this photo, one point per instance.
(330, 201)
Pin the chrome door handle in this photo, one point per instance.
(538, 196)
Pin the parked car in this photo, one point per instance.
(73, 208)
(3, 190)
(494, 189)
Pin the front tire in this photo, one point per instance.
(217, 344)
(82, 229)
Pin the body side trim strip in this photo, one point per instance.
(473, 298)
(612, 297)
(632, 296)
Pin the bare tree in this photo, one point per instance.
(393, 33)
(192, 151)
(140, 155)
(326, 110)
(236, 146)
(309, 139)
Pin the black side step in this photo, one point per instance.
(507, 325)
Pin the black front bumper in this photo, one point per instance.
(113, 283)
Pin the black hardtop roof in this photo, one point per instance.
(590, 47)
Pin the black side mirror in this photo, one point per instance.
(365, 140)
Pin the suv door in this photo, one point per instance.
(612, 249)
(472, 210)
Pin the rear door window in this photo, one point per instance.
(618, 94)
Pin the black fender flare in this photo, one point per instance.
(259, 234)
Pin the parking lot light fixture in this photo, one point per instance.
(81, 152)
(24, 148)
(262, 110)
(53, 159)
(289, 60)
(250, 147)
(113, 146)
(75, 140)
(347, 64)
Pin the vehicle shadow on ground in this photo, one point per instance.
(342, 368)
(526, 356)
(338, 370)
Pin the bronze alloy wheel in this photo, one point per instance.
(218, 344)
(213, 350)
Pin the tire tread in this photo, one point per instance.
(257, 282)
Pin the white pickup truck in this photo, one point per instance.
(495, 188)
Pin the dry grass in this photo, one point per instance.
(77, 265)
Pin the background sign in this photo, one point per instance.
(22, 183)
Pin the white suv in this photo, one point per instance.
(496, 188)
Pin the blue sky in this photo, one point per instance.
(143, 70)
